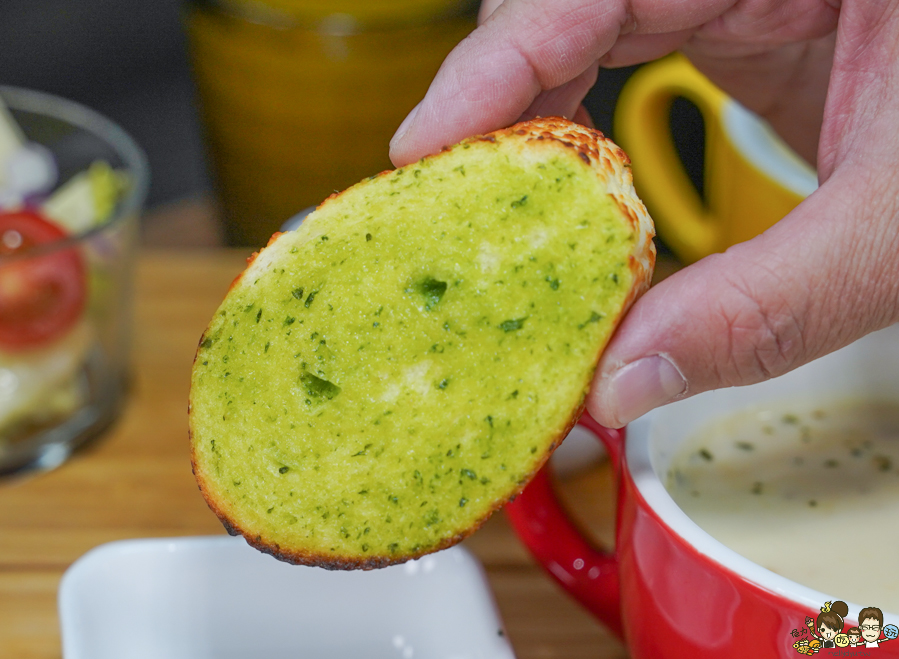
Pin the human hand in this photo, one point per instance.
(539, 57)
(822, 277)
(782, 78)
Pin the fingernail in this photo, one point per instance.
(404, 127)
(644, 385)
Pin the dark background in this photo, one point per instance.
(128, 59)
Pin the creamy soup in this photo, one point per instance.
(810, 493)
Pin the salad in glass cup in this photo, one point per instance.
(71, 188)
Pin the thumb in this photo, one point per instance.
(819, 279)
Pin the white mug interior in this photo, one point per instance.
(767, 152)
(869, 368)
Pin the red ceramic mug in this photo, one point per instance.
(669, 589)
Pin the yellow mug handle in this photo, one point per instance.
(643, 130)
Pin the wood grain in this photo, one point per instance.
(136, 481)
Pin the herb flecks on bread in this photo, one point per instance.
(381, 380)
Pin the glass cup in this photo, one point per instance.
(300, 97)
(64, 331)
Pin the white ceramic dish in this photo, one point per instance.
(216, 597)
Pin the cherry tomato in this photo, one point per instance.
(42, 295)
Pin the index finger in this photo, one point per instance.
(524, 48)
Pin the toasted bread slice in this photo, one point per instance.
(381, 380)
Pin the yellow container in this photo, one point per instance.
(751, 177)
(300, 97)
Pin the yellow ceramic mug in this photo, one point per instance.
(751, 178)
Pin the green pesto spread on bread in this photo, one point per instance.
(381, 380)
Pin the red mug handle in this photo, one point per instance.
(588, 573)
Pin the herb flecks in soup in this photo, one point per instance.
(809, 493)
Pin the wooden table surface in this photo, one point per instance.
(135, 481)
